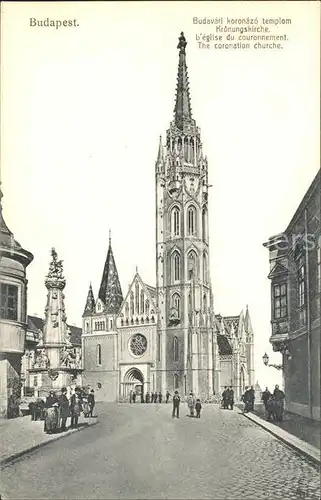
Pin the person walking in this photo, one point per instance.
(265, 397)
(247, 400)
(167, 396)
(147, 397)
(91, 402)
(160, 397)
(176, 403)
(152, 397)
(230, 398)
(225, 398)
(252, 391)
(155, 397)
(64, 409)
(134, 397)
(279, 398)
(75, 409)
(130, 396)
(198, 408)
(191, 404)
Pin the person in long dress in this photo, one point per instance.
(52, 413)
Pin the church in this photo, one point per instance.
(167, 336)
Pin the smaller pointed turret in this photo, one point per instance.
(247, 321)
(90, 303)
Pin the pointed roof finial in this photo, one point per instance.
(136, 269)
(109, 237)
(182, 42)
(182, 111)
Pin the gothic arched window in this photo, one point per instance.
(176, 303)
(204, 224)
(175, 221)
(176, 261)
(137, 298)
(98, 354)
(191, 221)
(142, 302)
(205, 268)
(176, 381)
(147, 307)
(131, 304)
(126, 310)
(204, 303)
(192, 264)
(175, 348)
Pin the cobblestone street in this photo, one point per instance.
(139, 451)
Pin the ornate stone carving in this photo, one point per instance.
(138, 344)
(41, 359)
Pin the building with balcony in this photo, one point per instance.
(13, 316)
(295, 274)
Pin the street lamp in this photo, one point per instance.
(266, 362)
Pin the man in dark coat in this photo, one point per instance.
(134, 396)
(155, 397)
(64, 408)
(91, 402)
(160, 397)
(230, 398)
(225, 397)
(176, 402)
(279, 398)
(252, 397)
(152, 398)
(147, 397)
(266, 396)
(167, 396)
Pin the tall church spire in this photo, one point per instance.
(182, 111)
(110, 292)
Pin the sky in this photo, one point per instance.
(82, 111)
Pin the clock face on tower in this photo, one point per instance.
(138, 344)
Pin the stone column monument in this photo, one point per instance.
(56, 362)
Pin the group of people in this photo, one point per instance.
(57, 409)
(274, 403)
(228, 398)
(150, 397)
(192, 403)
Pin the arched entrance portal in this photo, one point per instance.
(133, 381)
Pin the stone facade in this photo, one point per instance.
(13, 317)
(181, 343)
(295, 273)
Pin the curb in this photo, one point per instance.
(309, 451)
(11, 458)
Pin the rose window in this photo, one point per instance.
(138, 344)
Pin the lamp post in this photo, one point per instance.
(266, 362)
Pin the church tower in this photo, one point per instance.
(187, 356)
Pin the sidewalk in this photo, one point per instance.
(19, 436)
(301, 427)
(304, 448)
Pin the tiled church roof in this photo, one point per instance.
(90, 302)
(110, 292)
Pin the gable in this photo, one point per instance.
(139, 305)
(278, 270)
